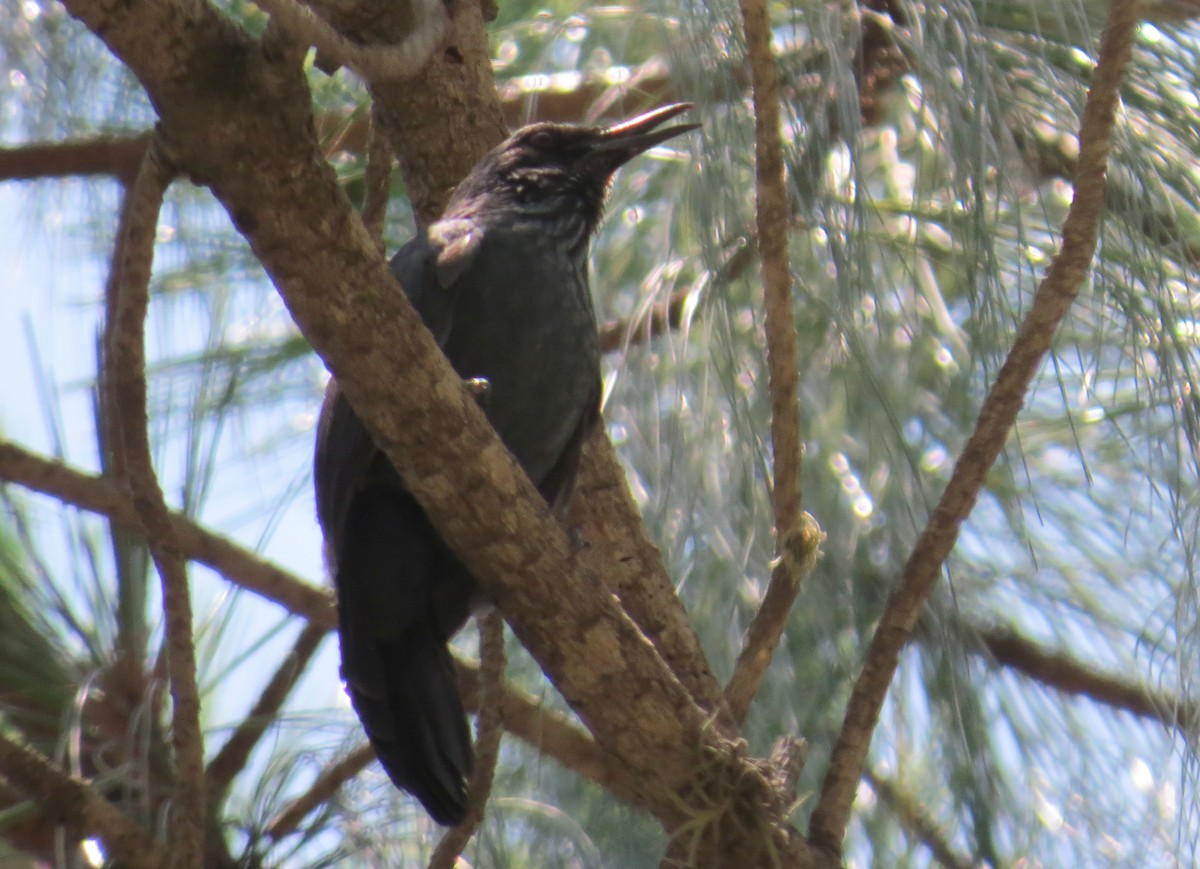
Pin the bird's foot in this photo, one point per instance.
(480, 388)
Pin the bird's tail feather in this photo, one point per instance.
(395, 662)
(423, 743)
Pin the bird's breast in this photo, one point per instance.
(524, 320)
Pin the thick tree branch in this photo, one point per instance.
(125, 376)
(1051, 302)
(75, 805)
(254, 145)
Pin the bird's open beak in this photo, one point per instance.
(616, 145)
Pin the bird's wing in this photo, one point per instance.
(344, 457)
(558, 486)
(387, 562)
(429, 266)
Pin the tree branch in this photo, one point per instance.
(1051, 302)
(232, 757)
(126, 378)
(250, 138)
(797, 536)
(76, 805)
(238, 565)
(488, 729)
(1061, 672)
(321, 791)
(116, 156)
(915, 818)
(398, 60)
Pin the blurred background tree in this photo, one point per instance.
(1045, 714)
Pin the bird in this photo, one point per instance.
(501, 281)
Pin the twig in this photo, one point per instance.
(489, 729)
(76, 805)
(236, 564)
(377, 180)
(233, 755)
(916, 820)
(800, 548)
(1051, 302)
(772, 222)
(126, 379)
(551, 733)
(320, 792)
(372, 62)
(1065, 674)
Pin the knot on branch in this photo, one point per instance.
(799, 547)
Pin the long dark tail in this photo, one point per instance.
(395, 661)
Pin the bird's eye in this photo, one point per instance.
(541, 139)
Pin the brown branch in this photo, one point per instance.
(772, 218)
(398, 60)
(915, 818)
(321, 791)
(628, 332)
(488, 728)
(1061, 672)
(800, 550)
(238, 565)
(620, 551)
(234, 754)
(74, 804)
(1050, 304)
(126, 379)
(117, 156)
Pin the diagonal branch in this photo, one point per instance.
(1050, 304)
(794, 554)
(252, 143)
(236, 564)
(126, 379)
(327, 783)
(915, 818)
(1064, 673)
(78, 806)
(233, 755)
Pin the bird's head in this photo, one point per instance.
(563, 169)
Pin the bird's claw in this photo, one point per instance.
(480, 388)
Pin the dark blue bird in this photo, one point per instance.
(501, 280)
